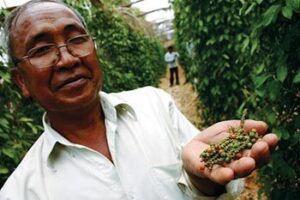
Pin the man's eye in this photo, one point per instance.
(79, 40)
(40, 51)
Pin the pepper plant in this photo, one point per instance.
(246, 54)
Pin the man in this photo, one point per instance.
(171, 59)
(129, 145)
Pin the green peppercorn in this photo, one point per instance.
(246, 137)
(252, 134)
(249, 145)
(229, 148)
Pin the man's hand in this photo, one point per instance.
(209, 181)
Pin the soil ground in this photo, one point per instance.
(187, 100)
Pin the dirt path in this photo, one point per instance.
(186, 99)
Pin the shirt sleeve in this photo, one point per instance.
(186, 131)
(169, 58)
(166, 57)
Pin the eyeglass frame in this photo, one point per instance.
(27, 57)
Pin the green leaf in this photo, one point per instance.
(4, 136)
(9, 152)
(283, 167)
(259, 1)
(281, 72)
(249, 8)
(260, 68)
(294, 4)
(3, 170)
(225, 56)
(261, 91)
(25, 119)
(260, 80)
(254, 45)
(4, 123)
(282, 133)
(271, 15)
(297, 77)
(287, 12)
(271, 117)
(295, 139)
(245, 43)
(274, 90)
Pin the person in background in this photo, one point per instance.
(171, 58)
(128, 145)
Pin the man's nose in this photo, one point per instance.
(66, 59)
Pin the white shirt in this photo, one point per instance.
(171, 59)
(145, 133)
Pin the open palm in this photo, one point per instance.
(251, 159)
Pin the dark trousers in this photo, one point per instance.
(174, 71)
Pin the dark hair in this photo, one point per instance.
(170, 48)
(12, 18)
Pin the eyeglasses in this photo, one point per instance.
(49, 54)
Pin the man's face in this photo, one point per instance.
(170, 49)
(72, 83)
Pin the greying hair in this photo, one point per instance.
(12, 18)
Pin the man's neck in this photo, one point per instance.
(85, 127)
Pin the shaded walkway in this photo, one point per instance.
(184, 95)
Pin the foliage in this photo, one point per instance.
(19, 125)
(247, 54)
(129, 59)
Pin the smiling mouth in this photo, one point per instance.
(73, 83)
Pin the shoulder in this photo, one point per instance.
(146, 93)
(149, 96)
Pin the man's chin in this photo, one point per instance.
(73, 103)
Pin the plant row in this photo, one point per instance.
(246, 54)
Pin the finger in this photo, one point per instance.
(190, 156)
(245, 153)
(272, 140)
(242, 167)
(213, 133)
(260, 152)
(220, 175)
(260, 126)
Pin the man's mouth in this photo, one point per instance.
(72, 82)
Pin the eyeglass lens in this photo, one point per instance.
(49, 55)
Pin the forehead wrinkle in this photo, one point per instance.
(73, 27)
(45, 12)
(25, 21)
(49, 28)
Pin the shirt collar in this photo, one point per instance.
(113, 108)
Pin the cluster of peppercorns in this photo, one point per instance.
(230, 148)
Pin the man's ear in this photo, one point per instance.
(19, 80)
